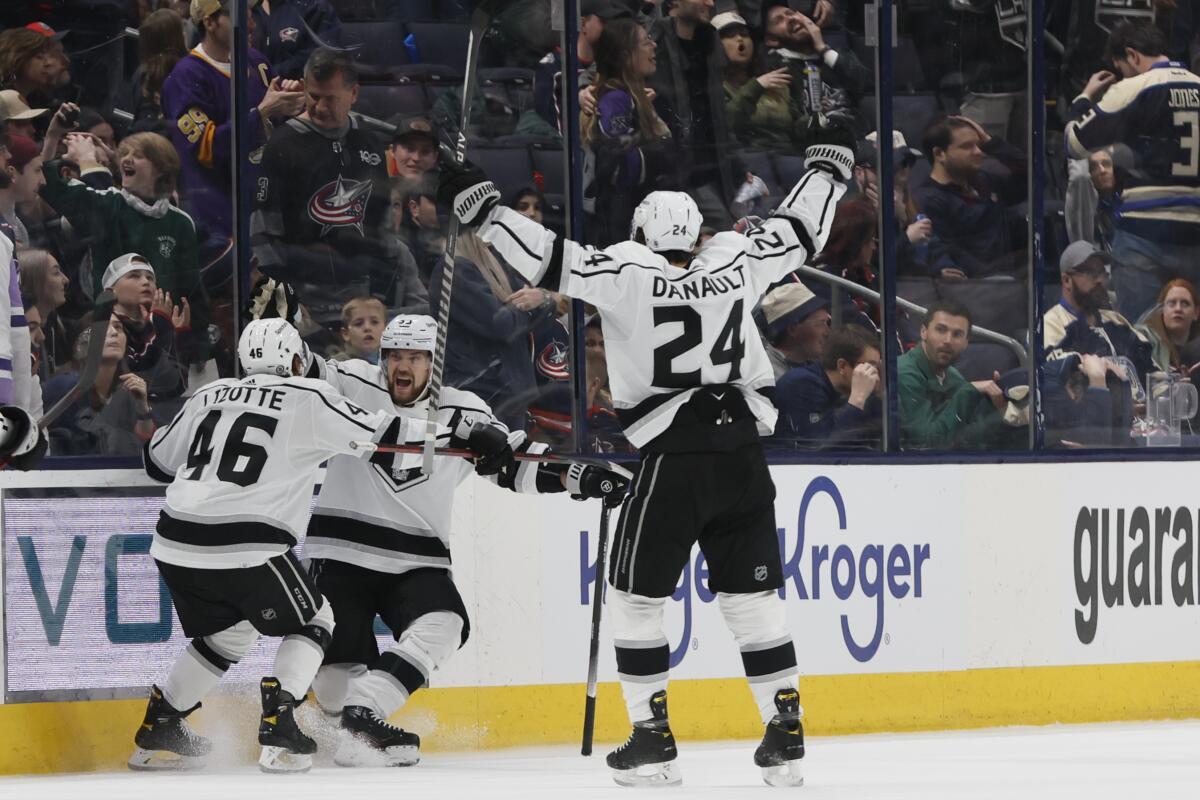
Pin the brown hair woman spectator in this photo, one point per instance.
(31, 63)
(45, 282)
(160, 46)
(1172, 323)
(625, 136)
(850, 250)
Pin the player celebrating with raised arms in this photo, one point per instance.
(242, 458)
(379, 541)
(687, 372)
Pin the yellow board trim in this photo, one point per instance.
(98, 735)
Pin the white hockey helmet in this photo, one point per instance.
(668, 221)
(409, 332)
(268, 346)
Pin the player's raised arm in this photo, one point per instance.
(799, 227)
(541, 257)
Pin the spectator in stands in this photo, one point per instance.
(834, 400)
(160, 47)
(413, 152)
(487, 349)
(914, 230)
(627, 138)
(795, 323)
(973, 228)
(1157, 231)
(1173, 322)
(1091, 198)
(196, 102)
(17, 115)
(363, 320)
(1078, 405)
(150, 321)
(32, 64)
(288, 31)
(323, 201)
(44, 282)
(421, 230)
(992, 66)
(137, 219)
(691, 97)
(19, 185)
(547, 79)
(1103, 177)
(849, 251)
(1081, 321)
(94, 123)
(37, 340)
(529, 202)
(115, 417)
(759, 106)
(939, 408)
(796, 42)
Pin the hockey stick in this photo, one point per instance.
(97, 332)
(545, 458)
(589, 703)
(480, 20)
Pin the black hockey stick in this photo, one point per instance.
(481, 19)
(589, 703)
(97, 332)
(457, 452)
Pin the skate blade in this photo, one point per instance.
(353, 752)
(280, 759)
(163, 760)
(664, 774)
(789, 773)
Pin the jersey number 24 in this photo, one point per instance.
(729, 348)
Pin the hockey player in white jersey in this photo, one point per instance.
(379, 541)
(242, 458)
(687, 372)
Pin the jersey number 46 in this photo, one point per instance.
(241, 462)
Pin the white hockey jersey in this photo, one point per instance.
(242, 457)
(380, 513)
(668, 330)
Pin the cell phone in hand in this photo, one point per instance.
(70, 117)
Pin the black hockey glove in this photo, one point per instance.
(832, 151)
(585, 481)
(467, 192)
(22, 443)
(495, 454)
(271, 298)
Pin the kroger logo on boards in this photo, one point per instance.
(841, 573)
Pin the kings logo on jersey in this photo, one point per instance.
(340, 203)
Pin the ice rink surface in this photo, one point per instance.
(1157, 760)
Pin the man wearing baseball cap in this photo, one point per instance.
(413, 151)
(1082, 321)
(24, 178)
(17, 115)
(795, 324)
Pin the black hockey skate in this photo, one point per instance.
(781, 754)
(286, 748)
(368, 741)
(648, 757)
(165, 740)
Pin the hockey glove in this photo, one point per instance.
(494, 453)
(272, 298)
(832, 151)
(22, 443)
(586, 480)
(468, 193)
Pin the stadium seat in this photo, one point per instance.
(788, 169)
(515, 82)
(510, 168)
(759, 162)
(911, 113)
(414, 10)
(378, 44)
(384, 101)
(441, 42)
(549, 163)
(981, 359)
(998, 305)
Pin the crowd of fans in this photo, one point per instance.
(125, 186)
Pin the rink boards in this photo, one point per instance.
(920, 597)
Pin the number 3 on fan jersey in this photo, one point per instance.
(729, 348)
(236, 447)
(1189, 144)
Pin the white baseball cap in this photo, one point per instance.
(727, 18)
(123, 265)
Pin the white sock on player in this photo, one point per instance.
(405, 667)
(643, 655)
(204, 662)
(759, 625)
(332, 683)
(300, 654)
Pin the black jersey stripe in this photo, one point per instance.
(376, 536)
(362, 380)
(331, 406)
(203, 534)
(152, 468)
(517, 239)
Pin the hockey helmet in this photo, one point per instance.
(268, 346)
(668, 221)
(409, 332)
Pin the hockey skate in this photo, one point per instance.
(286, 748)
(648, 757)
(781, 754)
(368, 741)
(165, 740)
